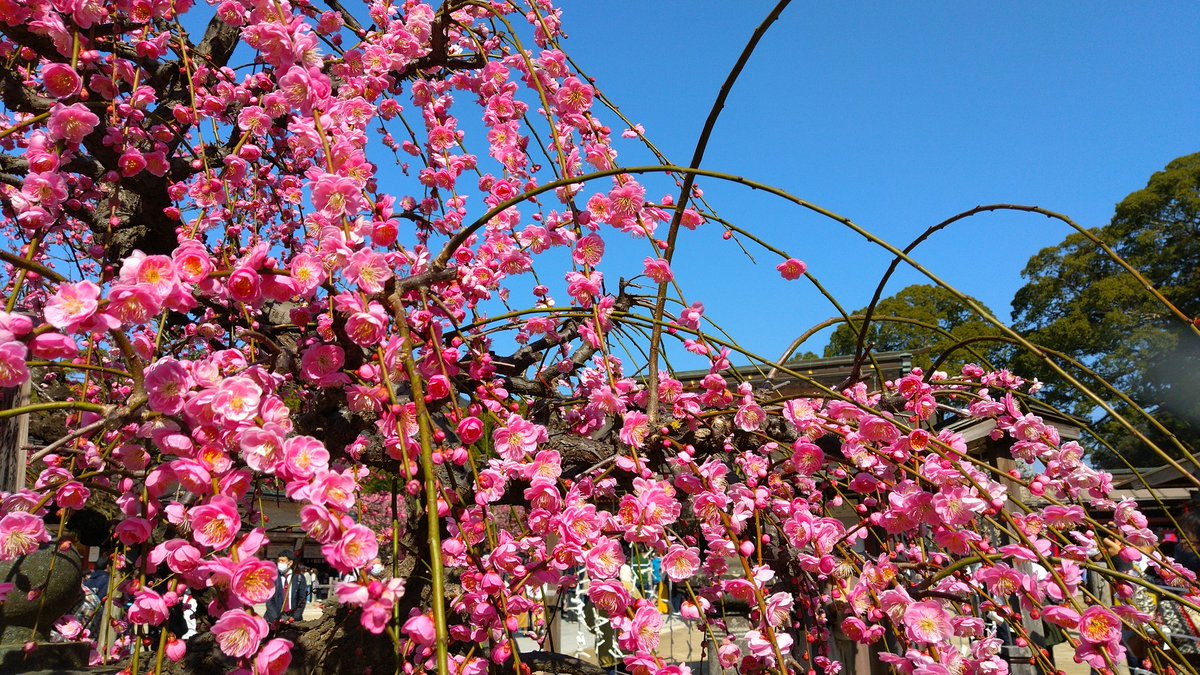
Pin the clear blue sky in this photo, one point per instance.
(897, 115)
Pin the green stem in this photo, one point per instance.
(76, 366)
(436, 569)
(162, 647)
(22, 265)
(29, 265)
(53, 405)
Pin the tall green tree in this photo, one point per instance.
(1079, 301)
(919, 307)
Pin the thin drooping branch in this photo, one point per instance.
(1112, 255)
(685, 193)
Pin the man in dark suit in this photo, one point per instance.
(291, 592)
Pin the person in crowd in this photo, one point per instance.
(291, 592)
(377, 569)
(1187, 550)
(95, 590)
(310, 580)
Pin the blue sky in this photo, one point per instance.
(897, 115)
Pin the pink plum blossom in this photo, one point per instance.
(53, 346)
(791, 269)
(180, 556)
(14, 326)
(13, 370)
(329, 488)
(148, 608)
(237, 399)
(61, 80)
(71, 123)
(589, 250)
(262, 448)
(254, 581)
(274, 657)
(419, 629)
(216, 523)
(239, 633)
(680, 564)
(642, 632)
(470, 430)
(245, 285)
(1098, 625)
(167, 382)
(368, 270)
(927, 622)
(321, 364)
(303, 456)
(72, 495)
(21, 533)
(318, 522)
(292, 294)
(353, 550)
(658, 270)
(635, 429)
(133, 531)
(337, 196)
(192, 262)
(176, 649)
(69, 627)
(376, 599)
(307, 272)
(72, 304)
(518, 439)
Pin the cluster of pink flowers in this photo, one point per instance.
(306, 288)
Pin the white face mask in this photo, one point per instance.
(283, 567)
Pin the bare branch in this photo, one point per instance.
(16, 96)
(218, 43)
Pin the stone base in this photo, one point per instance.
(1018, 660)
(46, 585)
(48, 656)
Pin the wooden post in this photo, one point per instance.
(14, 437)
(554, 604)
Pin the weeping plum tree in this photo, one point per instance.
(278, 247)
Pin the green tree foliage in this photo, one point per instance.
(1079, 301)
(920, 308)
